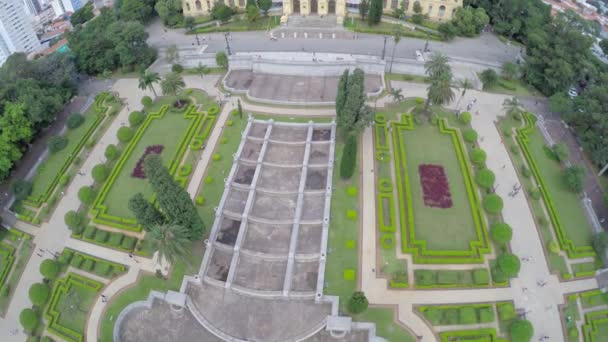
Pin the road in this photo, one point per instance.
(485, 48)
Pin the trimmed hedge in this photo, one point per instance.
(387, 241)
(136, 118)
(432, 279)
(349, 157)
(501, 233)
(475, 335)
(49, 269)
(39, 294)
(125, 134)
(465, 118)
(458, 314)
(478, 156)
(86, 195)
(493, 204)
(112, 152)
(89, 263)
(469, 135)
(418, 248)
(385, 185)
(29, 320)
(485, 178)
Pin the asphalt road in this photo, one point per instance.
(485, 48)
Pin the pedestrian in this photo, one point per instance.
(40, 255)
(524, 289)
(504, 166)
(130, 255)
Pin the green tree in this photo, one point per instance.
(574, 178)
(57, 143)
(440, 91)
(509, 70)
(73, 220)
(84, 14)
(341, 95)
(201, 70)
(418, 17)
(512, 107)
(470, 21)
(509, 264)
(21, 188)
(264, 6)
(173, 84)
(190, 24)
(145, 212)
(29, 319)
(357, 303)
(437, 65)
(169, 11)
(489, 78)
(74, 120)
(501, 233)
(86, 195)
(375, 12)
(604, 46)
(221, 59)
(599, 242)
(170, 240)
(239, 108)
(221, 12)
(100, 172)
(447, 30)
(39, 294)
(172, 199)
(355, 114)
(253, 13)
(521, 330)
(464, 85)
(396, 95)
(16, 127)
(49, 269)
(349, 157)
(147, 80)
(560, 151)
(363, 9)
(138, 10)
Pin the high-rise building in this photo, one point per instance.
(16, 32)
(63, 6)
(32, 7)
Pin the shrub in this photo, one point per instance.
(112, 152)
(29, 319)
(486, 315)
(447, 277)
(535, 194)
(65, 179)
(385, 185)
(39, 294)
(208, 180)
(223, 140)
(469, 135)
(424, 277)
(88, 264)
(526, 172)
(419, 100)
(560, 152)
(200, 200)
(351, 214)
(128, 242)
(220, 57)
(467, 315)
(178, 68)
(387, 241)
(21, 189)
(102, 269)
(89, 233)
(492, 203)
(357, 303)
(100, 173)
(101, 235)
(553, 247)
(214, 109)
(86, 195)
(433, 315)
(146, 101)
(501, 233)
(217, 156)
(77, 261)
(115, 239)
(348, 274)
(65, 257)
(136, 118)
(57, 143)
(450, 316)
(506, 311)
(497, 275)
(465, 118)
(478, 156)
(485, 178)
(509, 264)
(521, 330)
(125, 134)
(573, 333)
(349, 157)
(352, 191)
(185, 170)
(74, 120)
(5, 290)
(72, 218)
(574, 178)
(229, 123)
(507, 132)
(49, 269)
(481, 276)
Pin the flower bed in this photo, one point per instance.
(435, 186)
(138, 171)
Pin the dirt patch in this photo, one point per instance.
(321, 134)
(316, 179)
(229, 231)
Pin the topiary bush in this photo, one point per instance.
(112, 152)
(385, 185)
(101, 235)
(352, 191)
(493, 204)
(485, 178)
(387, 241)
(478, 156)
(229, 123)
(553, 247)
(146, 101)
(217, 157)
(125, 134)
(100, 173)
(469, 135)
(501, 233)
(75, 120)
(349, 157)
(465, 118)
(88, 265)
(214, 109)
(57, 143)
(534, 194)
(521, 330)
(89, 233)
(526, 172)
(467, 315)
(77, 261)
(509, 264)
(49, 269)
(86, 195)
(136, 118)
(223, 140)
(39, 294)
(115, 239)
(73, 219)
(208, 180)
(351, 214)
(29, 320)
(200, 200)
(357, 303)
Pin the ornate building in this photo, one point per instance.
(438, 10)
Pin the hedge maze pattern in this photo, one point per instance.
(418, 248)
(7, 258)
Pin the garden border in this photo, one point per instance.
(592, 320)
(488, 334)
(9, 252)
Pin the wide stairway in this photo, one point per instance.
(312, 27)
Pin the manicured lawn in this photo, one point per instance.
(236, 24)
(74, 306)
(593, 298)
(21, 255)
(166, 131)
(341, 257)
(513, 87)
(567, 203)
(406, 78)
(387, 29)
(442, 228)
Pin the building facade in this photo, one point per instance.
(16, 31)
(438, 10)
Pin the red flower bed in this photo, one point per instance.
(138, 171)
(435, 187)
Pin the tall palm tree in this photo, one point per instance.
(440, 91)
(512, 106)
(396, 94)
(464, 85)
(172, 85)
(147, 80)
(396, 40)
(437, 65)
(201, 69)
(170, 240)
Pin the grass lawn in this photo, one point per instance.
(22, 255)
(567, 203)
(342, 257)
(73, 307)
(513, 87)
(147, 283)
(237, 24)
(571, 315)
(593, 298)
(384, 28)
(442, 228)
(406, 78)
(166, 131)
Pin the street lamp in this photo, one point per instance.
(226, 34)
(384, 47)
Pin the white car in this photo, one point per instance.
(572, 93)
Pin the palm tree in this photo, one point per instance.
(172, 85)
(437, 65)
(440, 91)
(396, 40)
(201, 69)
(396, 94)
(512, 106)
(147, 80)
(465, 85)
(170, 240)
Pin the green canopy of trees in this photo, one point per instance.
(351, 111)
(82, 15)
